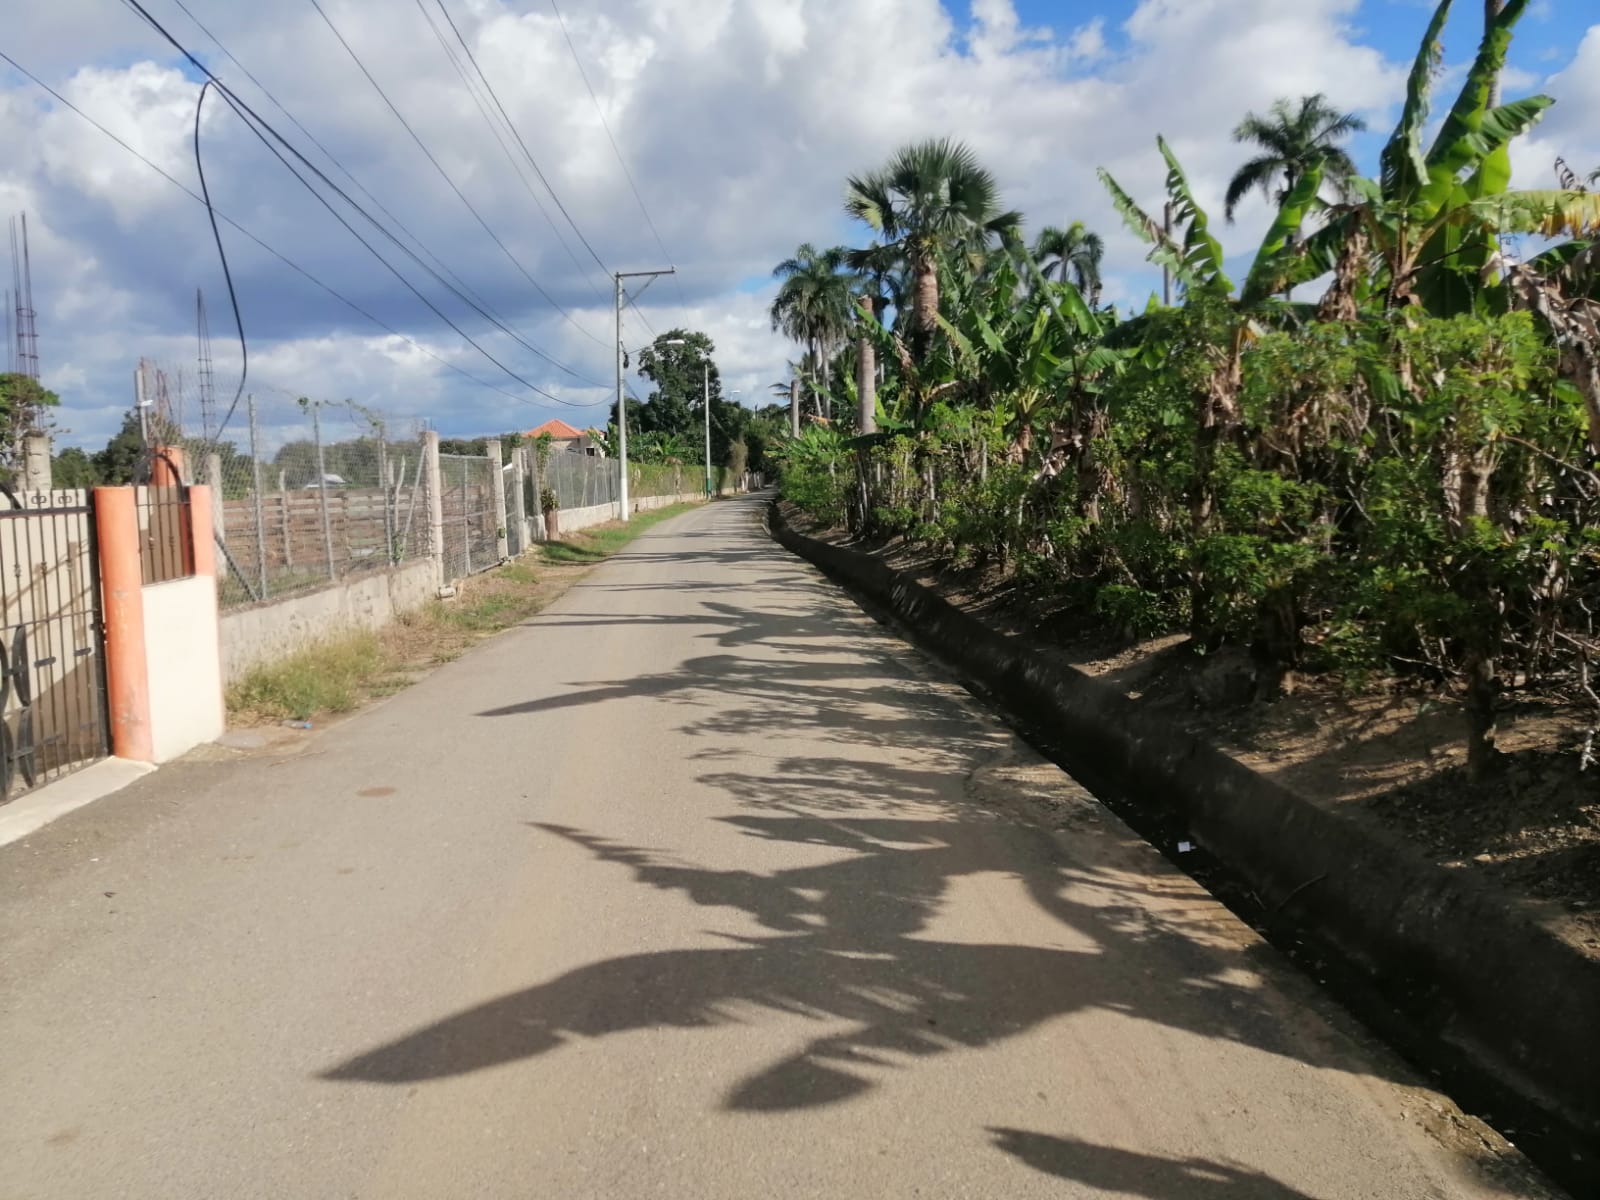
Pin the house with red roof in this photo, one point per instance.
(564, 438)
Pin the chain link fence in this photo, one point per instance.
(585, 481)
(313, 493)
(577, 480)
(467, 485)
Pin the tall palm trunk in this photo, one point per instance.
(794, 408)
(867, 374)
(926, 284)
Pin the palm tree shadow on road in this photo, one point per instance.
(1128, 1173)
(844, 945)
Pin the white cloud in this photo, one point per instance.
(1568, 130)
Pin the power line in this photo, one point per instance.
(279, 255)
(393, 270)
(256, 124)
(329, 154)
(489, 87)
(445, 175)
(500, 140)
(615, 149)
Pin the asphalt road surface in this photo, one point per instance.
(699, 885)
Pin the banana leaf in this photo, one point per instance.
(1403, 166)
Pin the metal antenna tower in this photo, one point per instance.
(27, 337)
(207, 384)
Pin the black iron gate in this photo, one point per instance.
(52, 660)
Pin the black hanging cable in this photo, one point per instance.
(396, 271)
(257, 124)
(222, 253)
(327, 153)
(242, 230)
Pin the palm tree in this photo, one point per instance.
(1293, 140)
(930, 197)
(879, 284)
(813, 305)
(1073, 252)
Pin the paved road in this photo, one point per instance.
(698, 886)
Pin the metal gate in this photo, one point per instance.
(52, 660)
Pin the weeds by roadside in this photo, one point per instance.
(592, 545)
(344, 673)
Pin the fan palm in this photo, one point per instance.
(879, 284)
(1293, 140)
(813, 304)
(1074, 252)
(931, 196)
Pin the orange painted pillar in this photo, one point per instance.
(203, 549)
(121, 584)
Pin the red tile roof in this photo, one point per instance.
(557, 429)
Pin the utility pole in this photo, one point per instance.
(1491, 14)
(1166, 271)
(706, 368)
(622, 406)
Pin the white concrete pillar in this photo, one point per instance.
(36, 462)
(502, 543)
(435, 483)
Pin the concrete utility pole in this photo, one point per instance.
(706, 368)
(1491, 13)
(622, 407)
(1166, 272)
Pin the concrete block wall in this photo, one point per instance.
(253, 637)
(573, 519)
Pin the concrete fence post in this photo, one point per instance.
(284, 522)
(219, 515)
(322, 491)
(497, 465)
(36, 463)
(260, 501)
(434, 483)
(519, 499)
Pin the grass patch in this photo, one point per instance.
(332, 677)
(344, 673)
(600, 542)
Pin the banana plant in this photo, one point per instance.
(1432, 220)
(1196, 260)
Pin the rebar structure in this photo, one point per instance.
(25, 336)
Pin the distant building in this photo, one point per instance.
(564, 437)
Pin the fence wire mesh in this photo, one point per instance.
(576, 480)
(312, 493)
(467, 485)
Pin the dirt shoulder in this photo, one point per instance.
(1385, 753)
